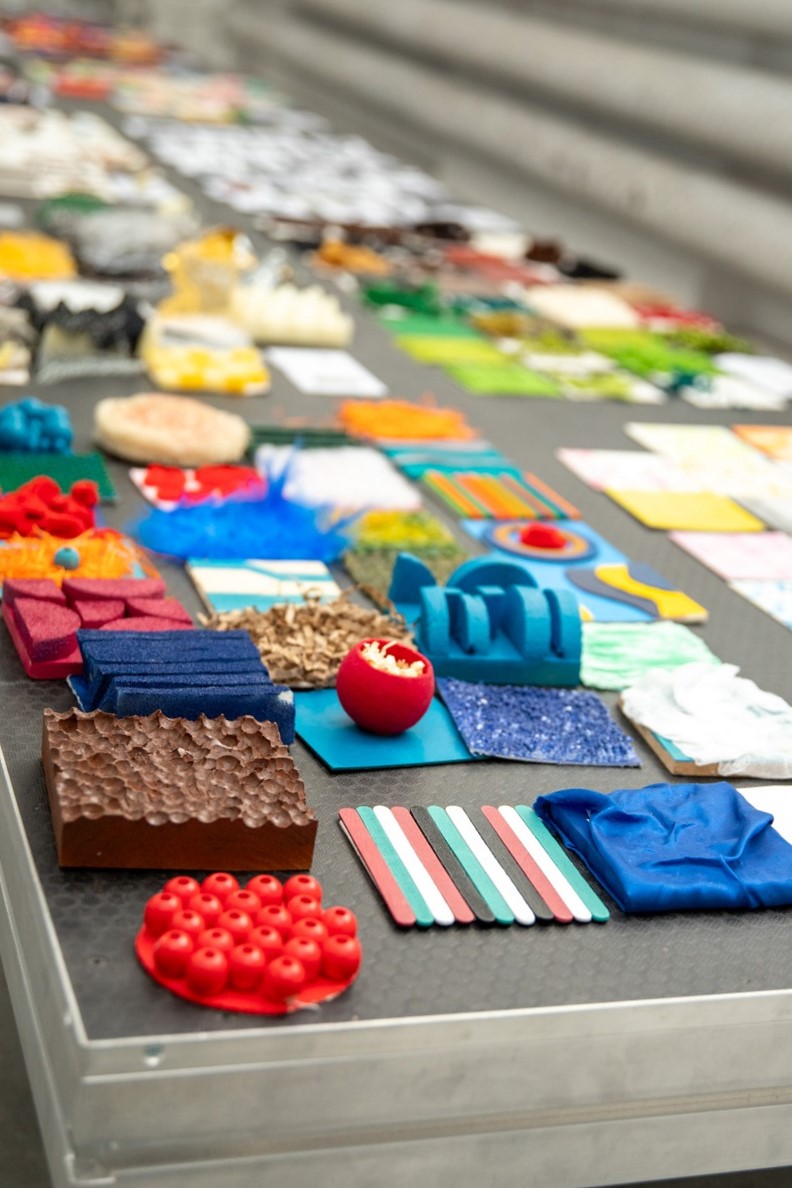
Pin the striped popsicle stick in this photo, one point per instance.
(551, 870)
(448, 859)
(427, 888)
(451, 492)
(491, 492)
(558, 855)
(377, 868)
(473, 868)
(516, 902)
(532, 871)
(555, 505)
(441, 877)
(423, 914)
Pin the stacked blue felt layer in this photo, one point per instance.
(182, 673)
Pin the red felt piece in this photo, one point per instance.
(254, 974)
(46, 629)
(41, 670)
(42, 588)
(147, 623)
(384, 702)
(159, 608)
(79, 589)
(96, 613)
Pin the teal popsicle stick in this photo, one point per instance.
(475, 871)
(598, 910)
(423, 917)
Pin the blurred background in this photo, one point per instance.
(655, 134)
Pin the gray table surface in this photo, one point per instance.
(96, 914)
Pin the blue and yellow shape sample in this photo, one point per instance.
(550, 568)
(639, 586)
(491, 623)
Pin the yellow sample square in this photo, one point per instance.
(688, 511)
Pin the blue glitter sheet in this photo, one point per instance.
(537, 725)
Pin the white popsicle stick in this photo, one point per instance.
(545, 863)
(416, 869)
(522, 911)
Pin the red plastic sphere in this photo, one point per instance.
(303, 907)
(207, 971)
(268, 940)
(312, 929)
(208, 906)
(159, 912)
(184, 887)
(341, 957)
(172, 952)
(275, 916)
(215, 938)
(237, 923)
(188, 921)
(220, 884)
(339, 921)
(308, 952)
(384, 702)
(283, 978)
(268, 889)
(302, 884)
(243, 901)
(246, 964)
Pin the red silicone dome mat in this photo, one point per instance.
(173, 952)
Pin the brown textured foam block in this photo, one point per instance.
(161, 793)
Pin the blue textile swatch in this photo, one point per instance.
(537, 725)
(675, 847)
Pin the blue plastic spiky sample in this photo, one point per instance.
(241, 526)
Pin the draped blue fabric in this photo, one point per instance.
(671, 847)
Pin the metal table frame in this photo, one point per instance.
(557, 1096)
(561, 1096)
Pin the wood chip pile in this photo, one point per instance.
(303, 644)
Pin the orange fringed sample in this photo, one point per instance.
(398, 420)
(104, 553)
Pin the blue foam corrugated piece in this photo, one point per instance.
(264, 703)
(124, 644)
(246, 680)
(490, 623)
(93, 690)
(208, 672)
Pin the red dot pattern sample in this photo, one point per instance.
(265, 949)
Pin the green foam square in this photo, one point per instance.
(502, 379)
(65, 469)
